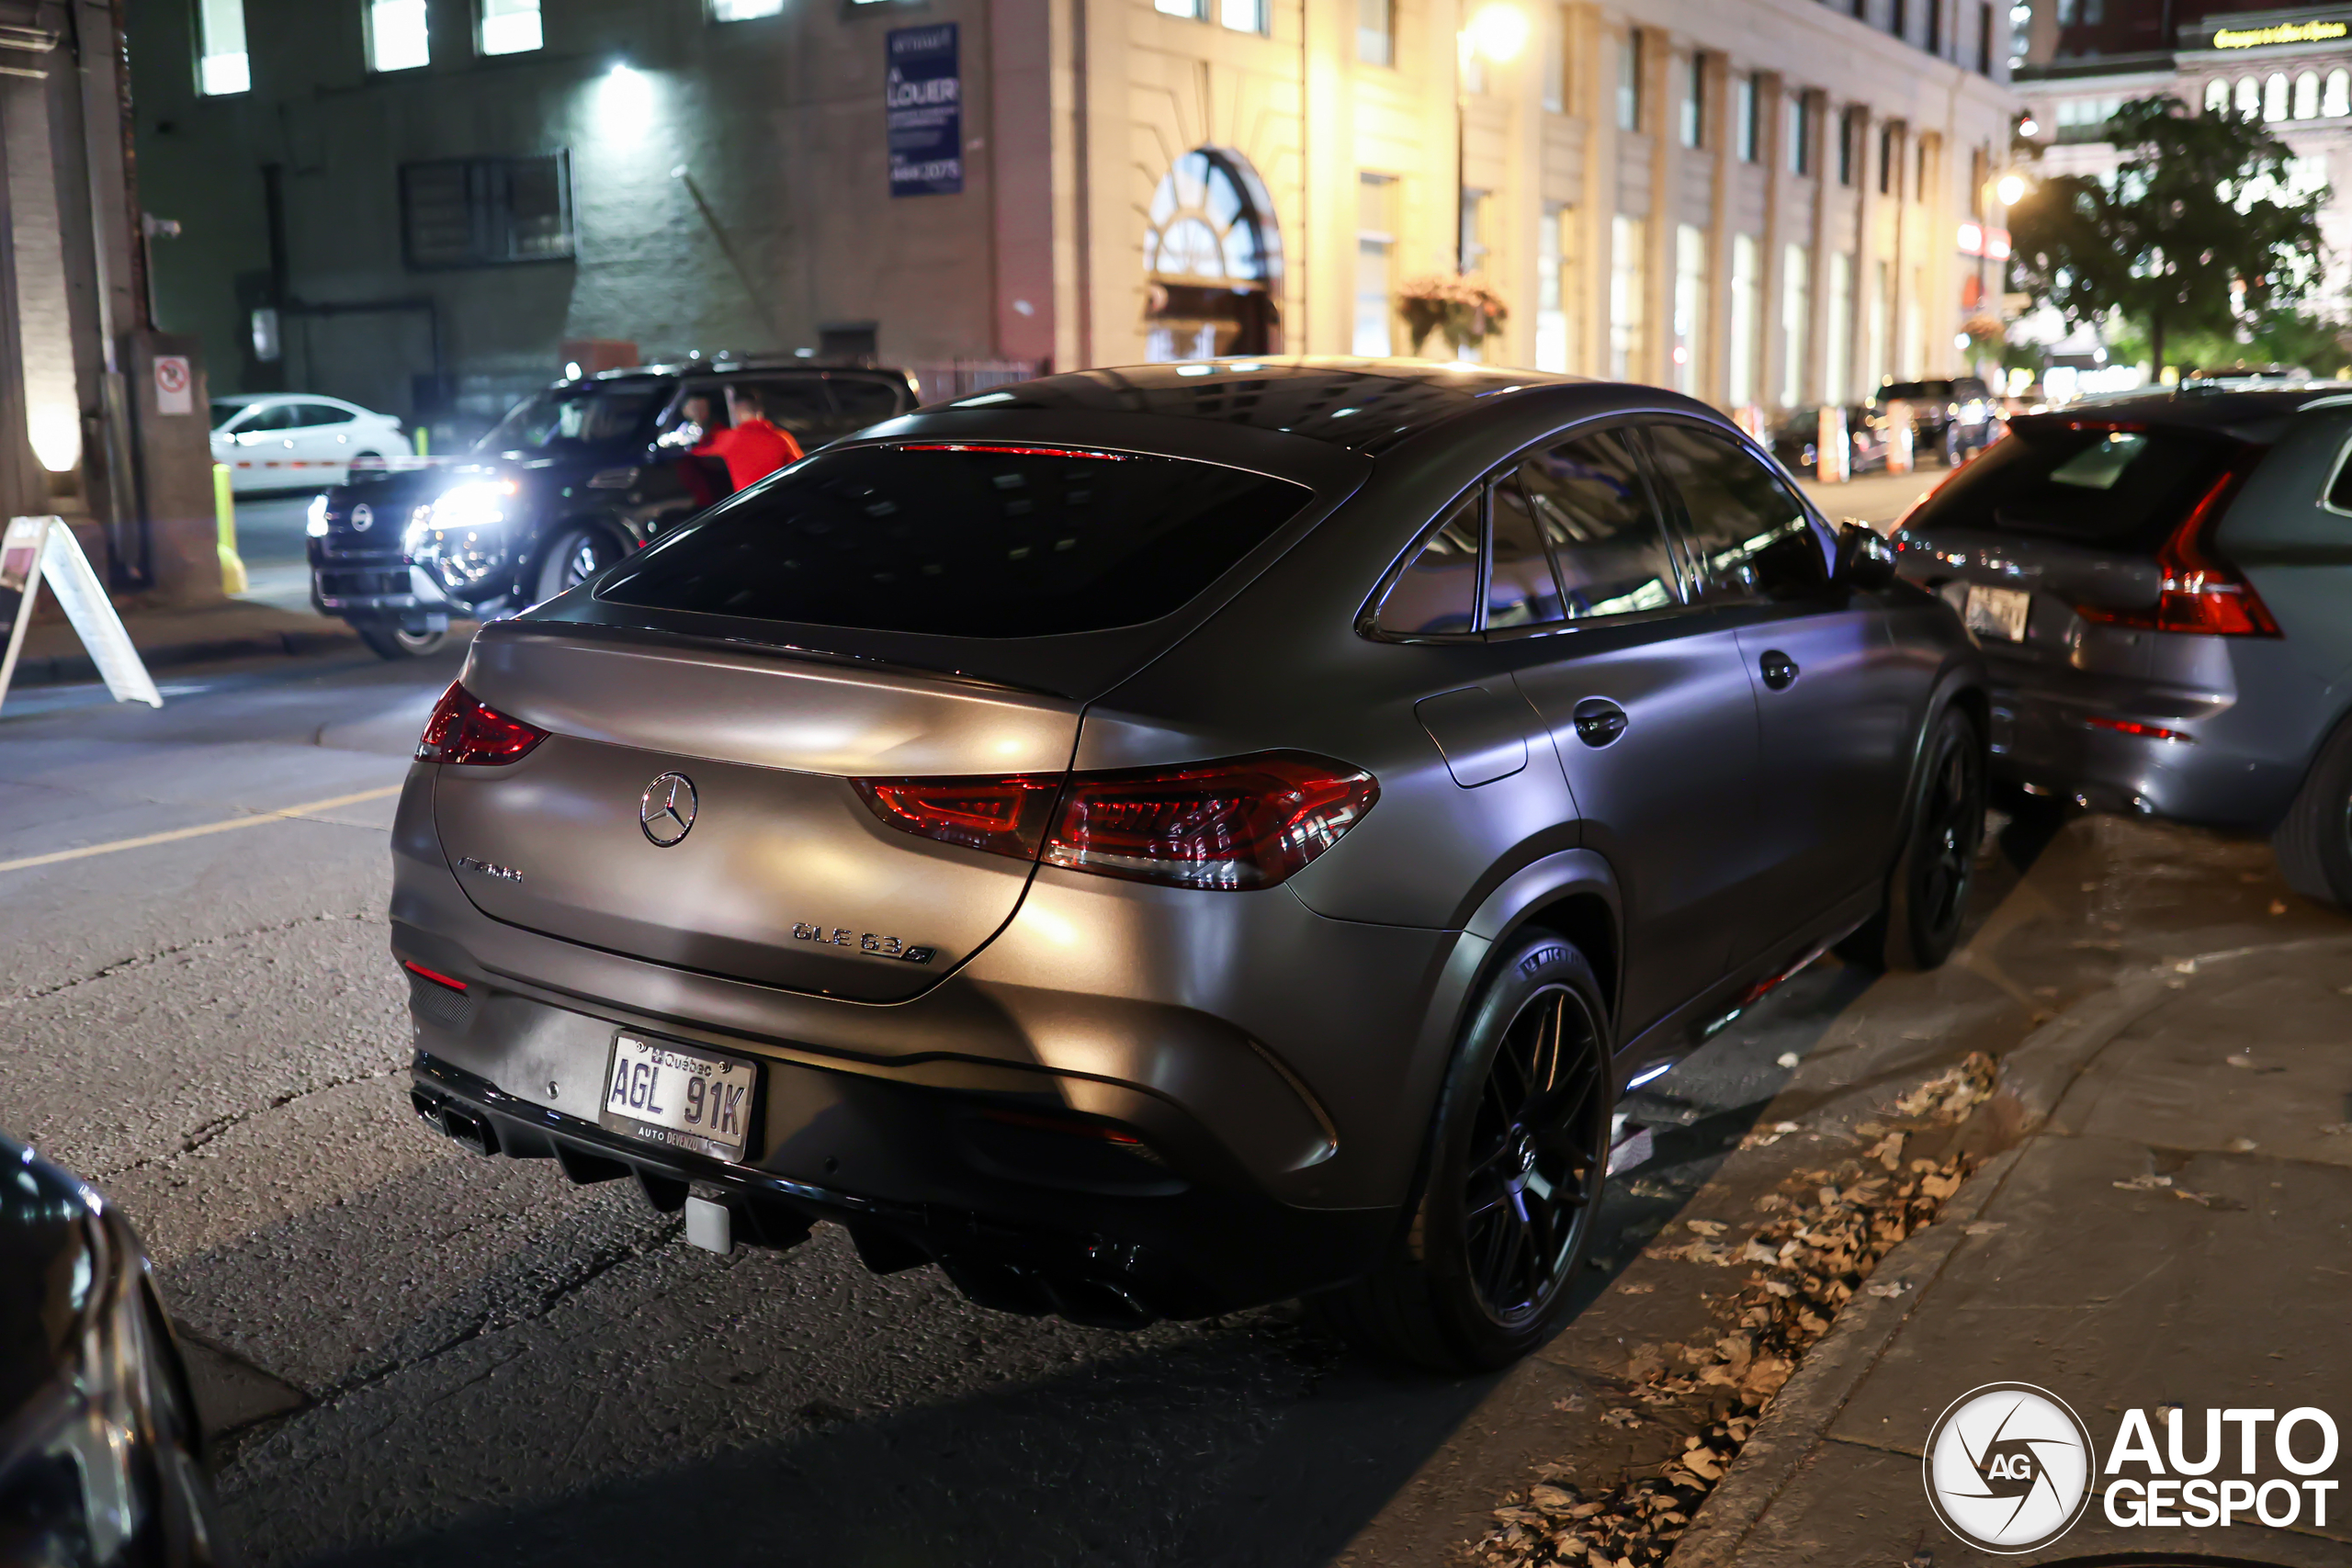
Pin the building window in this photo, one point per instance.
(398, 36)
(1797, 308)
(1913, 344)
(2249, 98)
(1886, 160)
(1557, 296)
(1375, 335)
(1935, 26)
(2337, 99)
(2217, 97)
(509, 26)
(1746, 109)
(1898, 22)
(2274, 97)
(1474, 231)
(486, 212)
(1212, 260)
(1627, 284)
(1689, 304)
(744, 10)
(1919, 175)
(1376, 32)
(1556, 59)
(2307, 96)
(1837, 329)
(1985, 38)
(1694, 102)
(1191, 8)
(1875, 311)
(222, 64)
(1245, 15)
(1629, 80)
(1747, 291)
(1850, 137)
(1980, 175)
(1798, 111)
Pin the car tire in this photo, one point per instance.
(390, 640)
(1518, 1156)
(2313, 840)
(1919, 923)
(573, 554)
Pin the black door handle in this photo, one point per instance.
(1780, 670)
(1598, 721)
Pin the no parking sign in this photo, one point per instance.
(174, 385)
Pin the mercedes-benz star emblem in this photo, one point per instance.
(668, 809)
(363, 517)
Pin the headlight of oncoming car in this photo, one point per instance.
(316, 525)
(100, 1461)
(463, 533)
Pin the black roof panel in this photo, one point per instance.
(1366, 405)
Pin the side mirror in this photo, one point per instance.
(1865, 560)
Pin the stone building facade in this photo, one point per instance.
(1769, 202)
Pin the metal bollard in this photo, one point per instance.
(1899, 434)
(1832, 453)
(233, 581)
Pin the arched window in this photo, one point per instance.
(1212, 259)
(2307, 96)
(2249, 98)
(2274, 97)
(2337, 97)
(2217, 95)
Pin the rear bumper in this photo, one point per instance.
(1115, 1260)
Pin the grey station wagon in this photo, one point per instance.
(1152, 841)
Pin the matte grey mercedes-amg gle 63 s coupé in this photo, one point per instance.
(1157, 840)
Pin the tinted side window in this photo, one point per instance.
(974, 543)
(800, 405)
(1588, 500)
(862, 402)
(1438, 594)
(1520, 589)
(1749, 538)
(307, 415)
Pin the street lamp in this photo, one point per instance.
(1496, 32)
(2010, 189)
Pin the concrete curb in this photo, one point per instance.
(2037, 1074)
(66, 670)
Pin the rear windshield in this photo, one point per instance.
(965, 541)
(2090, 482)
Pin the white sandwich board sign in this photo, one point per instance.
(43, 550)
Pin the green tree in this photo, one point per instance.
(2198, 228)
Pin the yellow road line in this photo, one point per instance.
(177, 833)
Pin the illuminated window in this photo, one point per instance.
(2337, 99)
(1375, 266)
(1740, 359)
(1694, 102)
(1797, 308)
(744, 10)
(1744, 125)
(221, 63)
(1629, 80)
(1179, 7)
(510, 26)
(1628, 281)
(2217, 95)
(1376, 32)
(1244, 16)
(1837, 327)
(1556, 61)
(2249, 98)
(1689, 305)
(398, 37)
(1558, 299)
(2307, 96)
(2274, 97)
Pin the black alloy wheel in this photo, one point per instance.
(1535, 1169)
(1926, 894)
(1519, 1159)
(574, 556)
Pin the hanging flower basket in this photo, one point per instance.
(1460, 309)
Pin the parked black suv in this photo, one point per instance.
(1954, 416)
(574, 477)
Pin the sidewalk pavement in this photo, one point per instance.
(1876, 499)
(2171, 1230)
(235, 628)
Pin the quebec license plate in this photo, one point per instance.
(666, 1093)
(1997, 611)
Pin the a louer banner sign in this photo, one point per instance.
(43, 550)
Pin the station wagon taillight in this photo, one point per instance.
(466, 732)
(2201, 592)
(1240, 823)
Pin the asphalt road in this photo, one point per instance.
(424, 1357)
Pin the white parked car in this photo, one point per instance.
(296, 440)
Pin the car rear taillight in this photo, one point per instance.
(2201, 592)
(466, 732)
(1241, 823)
